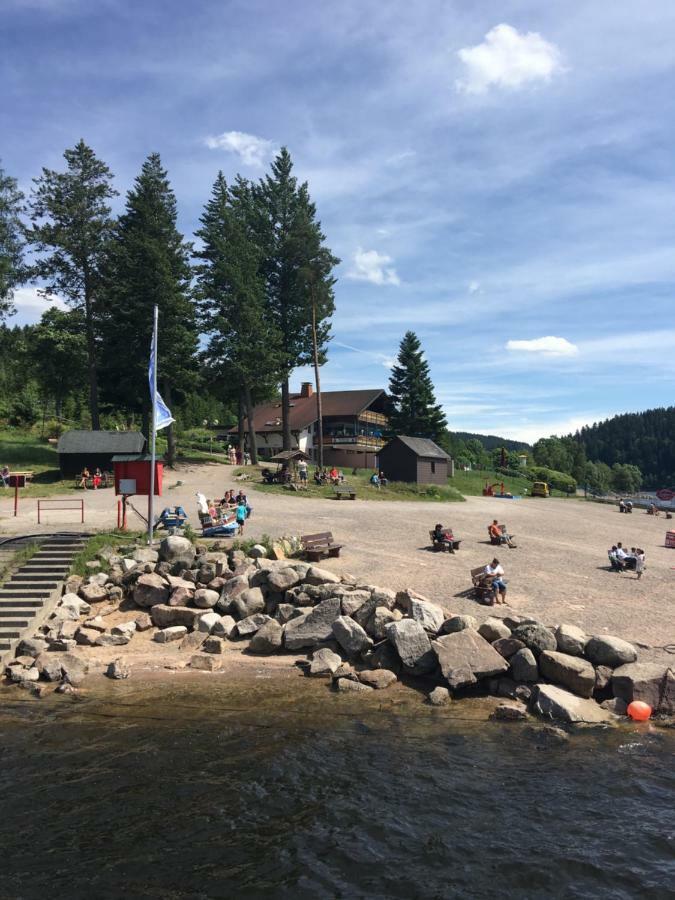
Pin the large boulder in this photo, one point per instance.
(176, 549)
(459, 623)
(324, 663)
(224, 627)
(208, 622)
(248, 626)
(172, 633)
(650, 682)
(605, 650)
(167, 616)
(268, 638)
(384, 656)
(572, 672)
(74, 668)
(524, 665)
(31, 647)
(92, 593)
(440, 696)
(283, 579)
(377, 678)
(571, 640)
(412, 645)
(317, 575)
(145, 555)
(554, 702)
(350, 636)
(347, 686)
(181, 596)
(49, 666)
(77, 604)
(508, 646)
(536, 637)
(205, 599)
(313, 629)
(233, 587)
(381, 617)
(353, 600)
(248, 603)
(150, 590)
(493, 628)
(428, 614)
(465, 657)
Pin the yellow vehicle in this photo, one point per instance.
(540, 489)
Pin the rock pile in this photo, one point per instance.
(359, 636)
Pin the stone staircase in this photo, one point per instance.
(30, 594)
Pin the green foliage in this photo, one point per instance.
(96, 543)
(11, 241)
(626, 479)
(558, 480)
(415, 411)
(22, 555)
(491, 441)
(59, 353)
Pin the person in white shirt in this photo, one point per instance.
(496, 572)
(620, 552)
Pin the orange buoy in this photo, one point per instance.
(639, 711)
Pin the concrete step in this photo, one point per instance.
(20, 604)
(12, 625)
(26, 594)
(17, 612)
(10, 635)
(19, 578)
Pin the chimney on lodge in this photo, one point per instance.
(306, 389)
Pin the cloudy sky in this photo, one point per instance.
(498, 177)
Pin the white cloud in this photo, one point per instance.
(29, 302)
(369, 265)
(474, 287)
(508, 59)
(252, 150)
(544, 346)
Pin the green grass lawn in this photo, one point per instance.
(27, 453)
(364, 490)
(472, 483)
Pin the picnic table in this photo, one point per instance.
(345, 492)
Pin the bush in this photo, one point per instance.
(52, 428)
(557, 480)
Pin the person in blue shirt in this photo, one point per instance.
(241, 514)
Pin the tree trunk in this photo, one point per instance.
(240, 422)
(317, 379)
(170, 433)
(286, 437)
(91, 366)
(252, 444)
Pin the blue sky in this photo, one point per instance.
(498, 177)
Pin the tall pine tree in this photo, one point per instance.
(71, 229)
(11, 241)
(415, 411)
(290, 238)
(149, 264)
(244, 345)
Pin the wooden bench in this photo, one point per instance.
(107, 479)
(344, 491)
(482, 584)
(441, 545)
(316, 546)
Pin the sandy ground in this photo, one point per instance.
(559, 572)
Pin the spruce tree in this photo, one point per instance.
(71, 227)
(59, 349)
(415, 411)
(291, 240)
(11, 242)
(149, 265)
(244, 344)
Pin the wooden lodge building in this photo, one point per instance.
(415, 460)
(353, 425)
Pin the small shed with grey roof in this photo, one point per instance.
(95, 449)
(416, 460)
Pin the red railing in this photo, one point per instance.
(60, 504)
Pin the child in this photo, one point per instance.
(241, 517)
(639, 563)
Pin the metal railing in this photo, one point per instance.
(59, 504)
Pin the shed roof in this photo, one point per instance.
(421, 447)
(267, 416)
(101, 442)
(287, 455)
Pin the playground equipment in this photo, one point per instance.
(489, 491)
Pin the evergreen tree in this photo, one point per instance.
(59, 351)
(149, 264)
(415, 411)
(294, 258)
(71, 226)
(244, 345)
(11, 242)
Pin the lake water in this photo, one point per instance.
(202, 788)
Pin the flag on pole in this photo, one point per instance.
(162, 414)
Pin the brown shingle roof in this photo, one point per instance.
(267, 417)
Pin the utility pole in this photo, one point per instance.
(315, 347)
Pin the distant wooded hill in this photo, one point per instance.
(491, 441)
(645, 439)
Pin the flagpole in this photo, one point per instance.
(153, 442)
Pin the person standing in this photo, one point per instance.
(4, 476)
(302, 471)
(241, 516)
(639, 563)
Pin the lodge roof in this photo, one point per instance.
(420, 446)
(101, 442)
(267, 416)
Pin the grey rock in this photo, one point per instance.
(459, 623)
(347, 686)
(20, 675)
(572, 672)
(412, 645)
(609, 651)
(603, 680)
(353, 600)
(208, 622)
(536, 637)
(126, 629)
(652, 683)
(77, 604)
(257, 551)
(282, 579)
(248, 603)
(465, 657)
(428, 614)
(213, 644)
(193, 640)
(440, 696)
(118, 670)
(233, 587)
(268, 639)
(93, 593)
(508, 646)
(205, 662)
(317, 575)
(205, 599)
(49, 667)
(63, 646)
(96, 623)
(31, 647)
(571, 640)
(615, 705)
(313, 629)
(510, 712)
(377, 624)
(143, 622)
(176, 549)
(167, 616)
(285, 612)
(251, 624)
(346, 670)
(151, 590)
(170, 634)
(384, 656)
(224, 627)
(112, 640)
(351, 637)
(87, 637)
(324, 663)
(74, 668)
(554, 702)
(494, 629)
(377, 678)
(181, 596)
(524, 666)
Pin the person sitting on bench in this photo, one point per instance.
(375, 480)
(495, 572)
(499, 535)
(84, 478)
(444, 537)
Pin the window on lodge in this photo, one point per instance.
(433, 468)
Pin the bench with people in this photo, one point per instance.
(621, 560)
(625, 506)
(489, 583)
(499, 535)
(442, 538)
(223, 517)
(99, 479)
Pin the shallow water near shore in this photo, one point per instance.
(206, 787)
